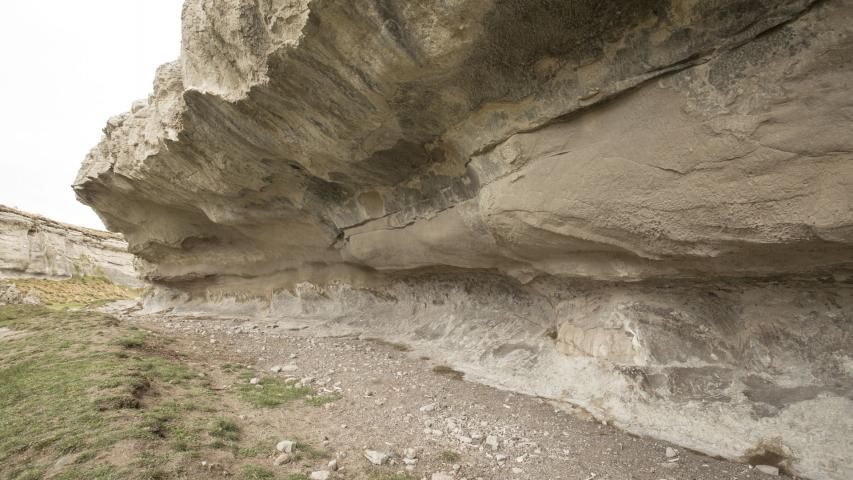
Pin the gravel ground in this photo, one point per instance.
(392, 399)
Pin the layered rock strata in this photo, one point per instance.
(34, 246)
(645, 208)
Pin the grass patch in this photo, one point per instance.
(225, 429)
(81, 383)
(65, 390)
(306, 450)
(320, 400)
(98, 472)
(137, 340)
(256, 450)
(272, 392)
(254, 472)
(450, 456)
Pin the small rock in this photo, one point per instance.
(517, 470)
(285, 446)
(64, 461)
(441, 476)
(500, 457)
(320, 475)
(275, 369)
(492, 441)
(333, 465)
(281, 459)
(138, 105)
(768, 469)
(254, 380)
(671, 452)
(410, 453)
(428, 408)
(376, 458)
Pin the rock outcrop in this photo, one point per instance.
(34, 246)
(644, 208)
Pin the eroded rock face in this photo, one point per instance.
(34, 246)
(374, 163)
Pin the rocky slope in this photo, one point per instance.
(34, 246)
(643, 208)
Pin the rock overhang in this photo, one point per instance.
(373, 146)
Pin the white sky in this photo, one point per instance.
(67, 66)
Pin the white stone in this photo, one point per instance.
(768, 469)
(285, 446)
(375, 457)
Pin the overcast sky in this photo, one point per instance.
(67, 67)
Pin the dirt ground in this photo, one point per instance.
(385, 398)
(95, 392)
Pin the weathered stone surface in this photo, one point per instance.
(34, 246)
(644, 208)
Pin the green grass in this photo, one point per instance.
(84, 384)
(64, 389)
(99, 472)
(306, 450)
(225, 429)
(272, 393)
(136, 340)
(256, 450)
(450, 456)
(320, 400)
(254, 472)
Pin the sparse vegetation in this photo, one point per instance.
(135, 340)
(78, 291)
(254, 472)
(306, 450)
(449, 456)
(225, 429)
(271, 392)
(76, 384)
(320, 400)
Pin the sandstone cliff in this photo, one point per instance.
(644, 208)
(34, 246)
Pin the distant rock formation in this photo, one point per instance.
(34, 246)
(644, 208)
